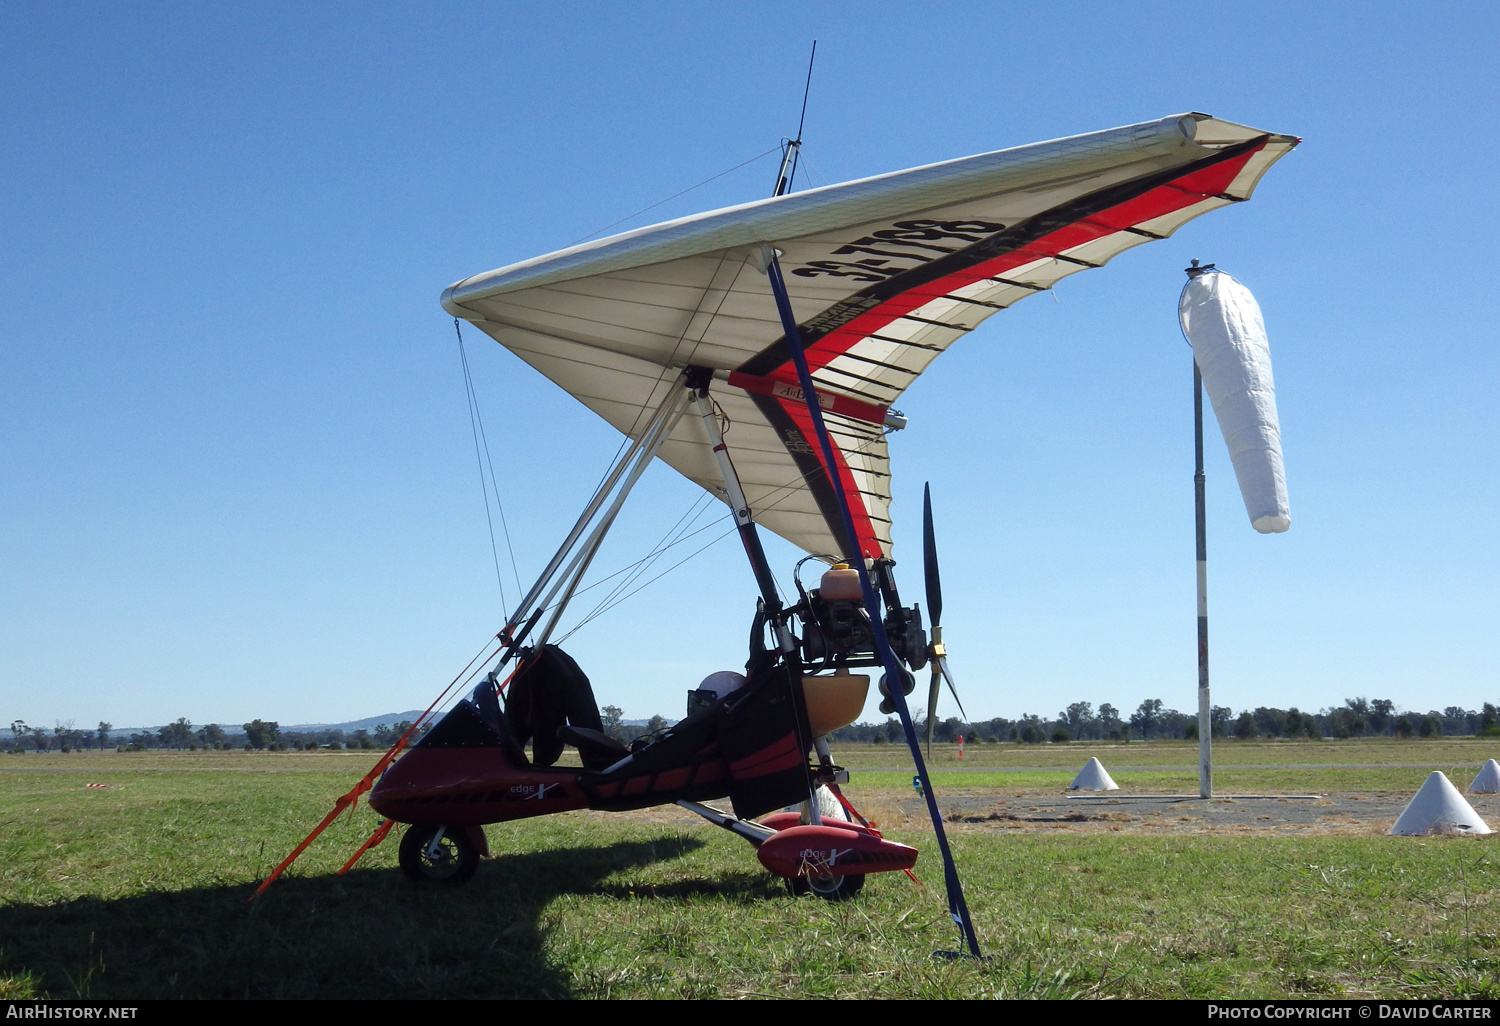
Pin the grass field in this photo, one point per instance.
(140, 890)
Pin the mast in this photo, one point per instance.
(1200, 523)
(794, 147)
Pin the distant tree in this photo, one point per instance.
(657, 724)
(1458, 720)
(1190, 729)
(1404, 728)
(1355, 717)
(1109, 722)
(1489, 721)
(39, 738)
(103, 734)
(361, 739)
(1293, 727)
(1432, 726)
(1380, 715)
(176, 735)
(1175, 724)
(19, 730)
(1060, 736)
(1271, 722)
(614, 723)
(1078, 718)
(1244, 727)
(948, 730)
(213, 735)
(261, 734)
(1147, 717)
(1030, 730)
(1219, 718)
(69, 737)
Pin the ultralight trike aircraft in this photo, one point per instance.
(758, 350)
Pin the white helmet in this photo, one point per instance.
(723, 683)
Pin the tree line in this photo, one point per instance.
(1080, 721)
(257, 735)
(1357, 717)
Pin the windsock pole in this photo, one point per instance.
(1200, 518)
(1205, 724)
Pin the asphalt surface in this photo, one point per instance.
(1359, 813)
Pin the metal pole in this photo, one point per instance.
(1200, 519)
(648, 434)
(744, 519)
(1205, 711)
(958, 907)
(734, 494)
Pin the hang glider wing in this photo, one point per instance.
(884, 274)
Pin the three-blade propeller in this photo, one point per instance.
(937, 654)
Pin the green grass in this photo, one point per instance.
(140, 890)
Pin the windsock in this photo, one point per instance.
(1222, 323)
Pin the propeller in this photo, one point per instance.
(937, 654)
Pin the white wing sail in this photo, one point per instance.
(884, 274)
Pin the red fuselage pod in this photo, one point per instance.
(787, 820)
(470, 787)
(832, 850)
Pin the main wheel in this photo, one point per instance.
(829, 888)
(453, 859)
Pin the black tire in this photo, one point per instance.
(453, 862)
(829, 888)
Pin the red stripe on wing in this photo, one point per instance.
(869, 545)
(1164, 199)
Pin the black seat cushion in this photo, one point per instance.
(597, 749)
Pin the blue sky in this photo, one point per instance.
(238, 475)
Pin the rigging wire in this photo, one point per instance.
(653, 580)
(814, 170)
(788, 490)
(667, 541)
(684, 192)
(481, 440)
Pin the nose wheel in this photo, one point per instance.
(829, 888)
(438, 855)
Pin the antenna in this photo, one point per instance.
(794, 147)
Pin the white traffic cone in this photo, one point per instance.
(1438, 808)
(1093, 777)
(1488, 780)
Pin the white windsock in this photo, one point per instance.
(1438, 808)
(1222, 322)
(1093, 777)
(1488, 780)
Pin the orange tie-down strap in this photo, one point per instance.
(848, 807)
(375, 839)
(350, 800)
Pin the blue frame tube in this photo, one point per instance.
(957, 907)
